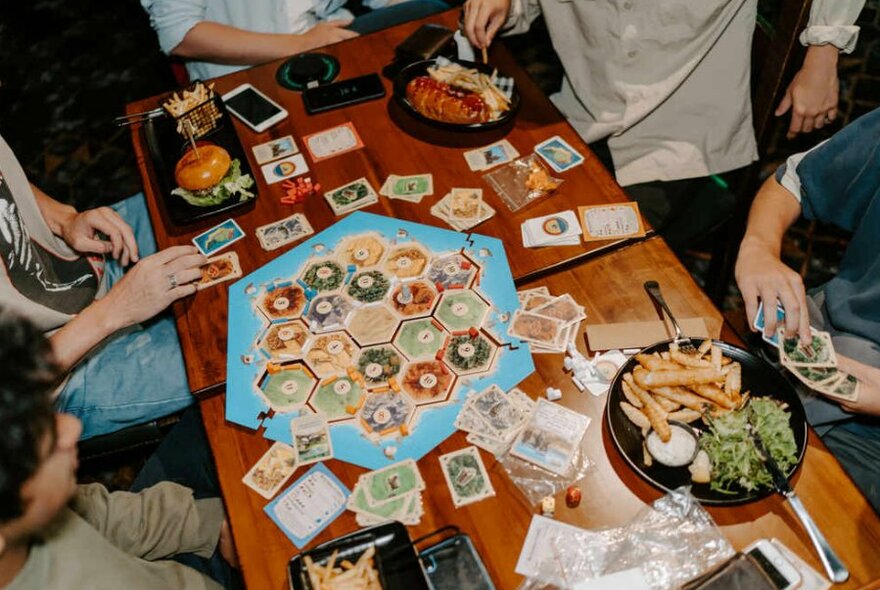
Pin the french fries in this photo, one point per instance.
(656, 414)
(475, 81)
(346, 576)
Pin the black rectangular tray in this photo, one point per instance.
(166, 146)
(396, 559)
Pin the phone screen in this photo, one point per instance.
(778, 579)
(252, 107)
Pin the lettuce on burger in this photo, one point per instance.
(208, 176)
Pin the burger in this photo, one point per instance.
(206, 176)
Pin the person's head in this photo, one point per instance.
(37, 446)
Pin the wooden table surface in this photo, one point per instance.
(610, 288)
(395, 144)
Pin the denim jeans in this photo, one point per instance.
(136, 375)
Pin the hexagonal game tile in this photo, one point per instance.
(427, 381)
(413, 298)
(363, 251)
(285, 341)
(455, 271)
(420, 339)
(406, 262)
(386, 413)
(331, 354)
(373, 324)
(378, 364)
(461, 309)
(368, 286)
(288, 387)
(339, 398)
(283, 303)
(468, 356)
(328, 312)
(325, 275)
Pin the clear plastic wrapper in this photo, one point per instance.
(536, 482)
(669, 543)
(521, 181)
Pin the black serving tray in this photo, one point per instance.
(396, 559)
(166, 146)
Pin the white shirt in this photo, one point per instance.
(666, 81)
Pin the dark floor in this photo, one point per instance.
(67, 68)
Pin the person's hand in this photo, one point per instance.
(869, 386)
(761, 275)
(326, 33)
(482, 19)
(152, 285)
(813, 93)
(81, 232)
(226, 545)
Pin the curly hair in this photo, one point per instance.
(27, 374)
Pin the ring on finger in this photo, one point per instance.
(172, 281)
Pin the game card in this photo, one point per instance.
(287, 168)
(844, 388)
(531, 327)
(283, 232)
(411, 186)
(558, 154)
(272, 470)
(218, 237)
(309, 505)
(352, 196)
(224, 267)
(556, 229)
(275, 149)
(465, 203)
(760, 323)
(819, 353)
(333, 142)
(389, 483)
(466, 476)
(490, 156)
(551, 437)
(311, 438)
(563, 308)
(605, 222)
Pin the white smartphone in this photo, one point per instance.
(255, 109)
(779, 569)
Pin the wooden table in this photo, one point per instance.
(395, 144)
(611, 290)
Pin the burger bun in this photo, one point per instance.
(202, 168)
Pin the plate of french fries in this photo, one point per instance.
(663, 389)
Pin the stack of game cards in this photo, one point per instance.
(490, 156)
(463, 208)
(285, 231)
(557, 229)
(408, 188)
(351, 196)
(390, 493)
(493, 418)
(546, 322)
(814, 365)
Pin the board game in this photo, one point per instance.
(380, 325)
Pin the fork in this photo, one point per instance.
(683, 342)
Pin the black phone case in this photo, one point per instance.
(343, 93)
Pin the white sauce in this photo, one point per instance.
(678, 451)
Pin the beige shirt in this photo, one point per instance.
(123, 541)
(666, 81)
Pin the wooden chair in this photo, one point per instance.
(776, 56)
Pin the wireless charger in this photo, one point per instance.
(298, 72)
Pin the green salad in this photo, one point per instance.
(233, 184)
(736, 463)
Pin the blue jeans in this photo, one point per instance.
(136, 375)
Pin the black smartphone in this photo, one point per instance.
(343, 93)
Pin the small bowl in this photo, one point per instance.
(690, 431)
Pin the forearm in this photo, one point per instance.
(56, 214)
(80, 335)
(773, 211)
(219, 43)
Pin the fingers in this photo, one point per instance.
(96, 220)
(189, 261)
(797, 123)
(784, 104)
(831, 115)
(750, 298)
(342, 22)
(125, 231)
(470, 24)
(168, 254)
(347, 34)
(92, 246)
(495, 24)
(807, 123)
(819, 121)
(182, 291)
(187, 275)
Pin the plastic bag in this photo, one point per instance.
(536, 482)
(669, 542)
(522, 181)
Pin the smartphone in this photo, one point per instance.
(255, 109)
(779, 569)
(343, 93)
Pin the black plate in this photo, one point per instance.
(167, 146)
(420, 68)
(758, 377)
(396, 558)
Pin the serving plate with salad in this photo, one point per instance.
(684, 420)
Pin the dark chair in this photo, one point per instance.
(111, 450)
(776, 57)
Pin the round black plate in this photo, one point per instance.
(299, 70)
(420, 68)
(758, 377)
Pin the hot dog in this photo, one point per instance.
(443, 102)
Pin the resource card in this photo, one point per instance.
(272, 470)
(351, 196)
(224, 267)
(275, 149)
(285, 231)
(218, 237)
(490, 156)
(311, 438)
(466, 476)
(558, 154)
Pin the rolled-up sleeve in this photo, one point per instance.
(173, 19)
(833, 22)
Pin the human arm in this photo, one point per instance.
(812, 95)
(81, 230)
(868, 401)
(158, 522)
(144, 291)
(483, 19)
